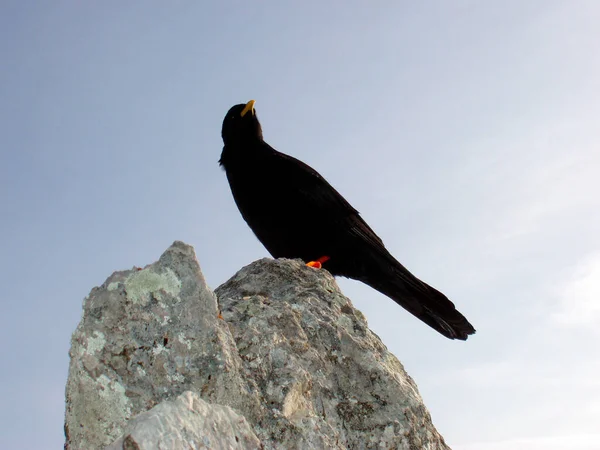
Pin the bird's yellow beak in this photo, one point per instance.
(249, 107)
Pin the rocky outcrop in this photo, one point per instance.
(289, 363)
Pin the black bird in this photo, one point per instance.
(296, 213)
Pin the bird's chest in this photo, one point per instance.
(273, 210)
(261, 196)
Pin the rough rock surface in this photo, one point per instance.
(146, 336)
(186, 423)
(292, 358)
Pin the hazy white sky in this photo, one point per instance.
(466, 133)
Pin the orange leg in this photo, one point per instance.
(319, 262)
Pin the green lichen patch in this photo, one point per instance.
(140, 285)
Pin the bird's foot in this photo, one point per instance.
(319, 262)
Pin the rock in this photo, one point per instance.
(146, 336)
(328, 380)
(292, 359)
(185, 423)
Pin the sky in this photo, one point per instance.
(465, 132)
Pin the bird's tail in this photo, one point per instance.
(421, 300)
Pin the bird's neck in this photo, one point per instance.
(248, 152)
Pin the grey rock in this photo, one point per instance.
(188, 422)
(146, 336)
(329, 382)
(291, 356)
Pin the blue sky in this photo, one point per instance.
(465, 132)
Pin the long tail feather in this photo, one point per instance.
(423, 301)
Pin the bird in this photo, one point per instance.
(295, 213)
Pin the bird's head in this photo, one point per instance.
(241, 124)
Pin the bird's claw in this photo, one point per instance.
(319, 262)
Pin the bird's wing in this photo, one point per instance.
(385, 273)
(315, 190)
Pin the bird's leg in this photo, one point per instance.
(319, 262)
